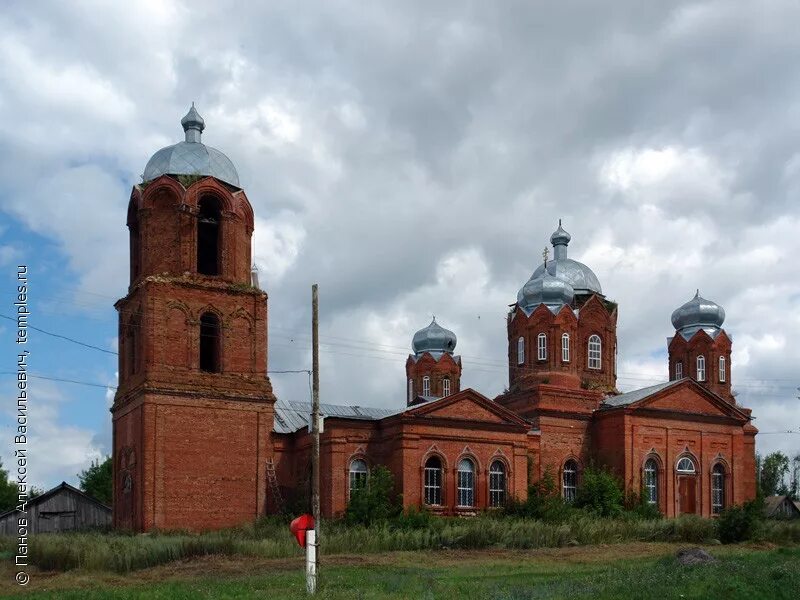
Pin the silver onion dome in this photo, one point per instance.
(191, 157)
(698, 313)
(545, 289)
(434, 338)
(578, 275)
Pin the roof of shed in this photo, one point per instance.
(53, 491)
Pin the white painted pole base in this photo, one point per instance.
(311, 561)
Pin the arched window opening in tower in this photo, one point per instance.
(565, 347)
(210, 343)
(701, 368)
(466, 483)
(722, 369)
(135, 241)
(541, 346)
(433, 481)
(595, 352)
(651, 481)
(358, 475)
(426, 386)
(679, 370)
(521, 351)
(569, 483)
(208, 236)
(717, 489)
(410, 390)
(497, 484)
(445, 387)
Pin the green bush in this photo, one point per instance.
(600, 493)
(374, 502)
(739, 523)
(543, 503)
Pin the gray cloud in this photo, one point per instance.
(414, 160)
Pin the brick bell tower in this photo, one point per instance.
(701, 349)
(193, 414)
(432, 371)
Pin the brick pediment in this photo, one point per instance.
(689, 397)
(467, 405)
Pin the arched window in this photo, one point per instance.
(497, 483)
(426, 386)
(210, 343)
(686, 466)
(135, 241)
(521, 351)
(565, 347)
(717, 489)
(679, 370)
(358, 474)
(410, 390)
(466, 482)
(541, 346)
(208, 236)
(722, 369)
(701, 368)
(433, 481)
(445, 387)
(595, 352)
(569, 481)
(651, 481)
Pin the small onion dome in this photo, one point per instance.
(545, 289)
(191, 157)
(698, 313)
(560, 237)
(434, 338)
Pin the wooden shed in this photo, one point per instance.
(780, 507)
(63, 508)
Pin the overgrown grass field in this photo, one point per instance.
(270, 538)
(631, 571)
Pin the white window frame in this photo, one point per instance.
(565, 347)
(683, 468)
(569, 481)
(410, 390)
(445, 387)
(651, 480)
(679, 370)
(722, 374)
(701, 368)
(717, 489)
(541, 346)
(359, 471)
(595, 355)
(465, 482)
(426, 386)
(497, 483)
(521, 351)
(432, 483)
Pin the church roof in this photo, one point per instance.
(294, 416)
(640, 394)
(191, 157)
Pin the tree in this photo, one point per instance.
(96, 480)
(773, 471)
(600, 492)
(794, 478)
(374, 502)
(8, 491)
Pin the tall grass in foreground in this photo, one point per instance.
(270, 538)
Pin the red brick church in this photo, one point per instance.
(200, 441)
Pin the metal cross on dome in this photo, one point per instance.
(545, 254)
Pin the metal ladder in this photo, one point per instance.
(272, 477)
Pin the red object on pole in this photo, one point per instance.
(299, 526)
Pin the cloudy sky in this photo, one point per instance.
(412, 158)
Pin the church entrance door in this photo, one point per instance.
(687, 488)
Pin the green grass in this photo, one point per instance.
(270, 539)
(740, 573)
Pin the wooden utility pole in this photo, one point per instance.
(312, 580)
